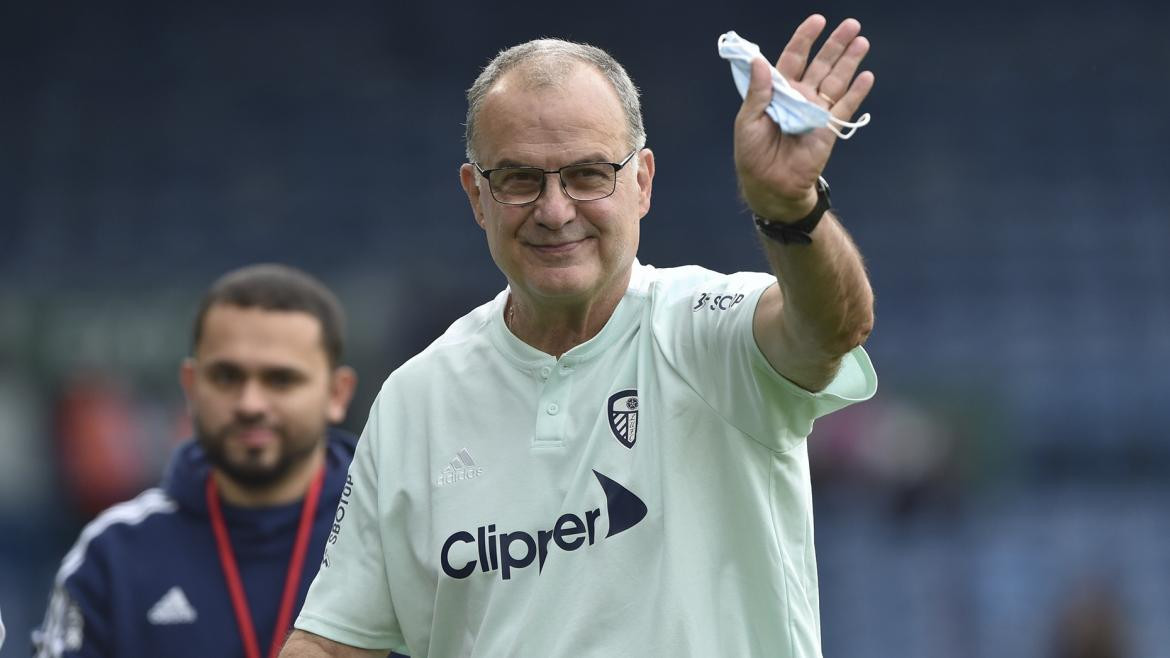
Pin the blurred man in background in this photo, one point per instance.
(608, 459)
(216, 562)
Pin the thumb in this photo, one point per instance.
(759, 93)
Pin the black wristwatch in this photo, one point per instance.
(800, 231)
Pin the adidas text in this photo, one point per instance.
(453, 476)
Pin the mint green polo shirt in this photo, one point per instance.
(647, 494)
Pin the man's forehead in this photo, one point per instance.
(581, 112)
(258, 331)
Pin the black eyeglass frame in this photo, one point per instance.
(617, 167)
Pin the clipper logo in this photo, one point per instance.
(507, 551)
(622, 412)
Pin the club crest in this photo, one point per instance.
(622, 411)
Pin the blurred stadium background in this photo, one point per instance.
(1006, 493)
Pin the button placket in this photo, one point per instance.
(552, 406)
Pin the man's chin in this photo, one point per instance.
(561, 283)
(254, 476)
(256, 468)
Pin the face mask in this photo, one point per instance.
(794, 113)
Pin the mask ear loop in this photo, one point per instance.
(862, 120)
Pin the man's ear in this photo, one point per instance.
(342, 384)
(645, 180)
(469, 178)
(187, 376)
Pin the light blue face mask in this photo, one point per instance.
(794, 113)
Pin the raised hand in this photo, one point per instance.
(778, 172)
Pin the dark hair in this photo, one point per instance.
(274, 287)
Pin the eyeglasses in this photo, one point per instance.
(586, 181)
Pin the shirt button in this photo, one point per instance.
(553, 409)
(545, 372)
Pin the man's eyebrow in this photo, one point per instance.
(596, 156)
(592, 157)
(232, 366)
(221, 364)
(289, 371)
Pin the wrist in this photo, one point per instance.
(798, 230)
(786, 211)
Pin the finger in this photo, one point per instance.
(759, 93)
(845, 108)
(792, 61)
(840, 77)
(835, 46)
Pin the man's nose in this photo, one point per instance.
(253, 399)
(554, 208)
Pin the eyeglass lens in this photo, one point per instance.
(583, 182)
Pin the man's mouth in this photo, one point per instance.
(255, 437)
(557, 247)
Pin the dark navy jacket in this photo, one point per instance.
(144, 579)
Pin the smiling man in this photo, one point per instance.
(216, 562)
(608, 459)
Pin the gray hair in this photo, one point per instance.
(545, 62)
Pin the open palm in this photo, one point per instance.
(778, 172)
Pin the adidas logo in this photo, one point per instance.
(461, 468)
(172, 608)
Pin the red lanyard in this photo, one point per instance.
(231, 572)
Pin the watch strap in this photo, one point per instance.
(800, 231)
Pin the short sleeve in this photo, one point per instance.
(349, 600)
(705, 328)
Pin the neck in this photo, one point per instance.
(555, 329)
(289, 489)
